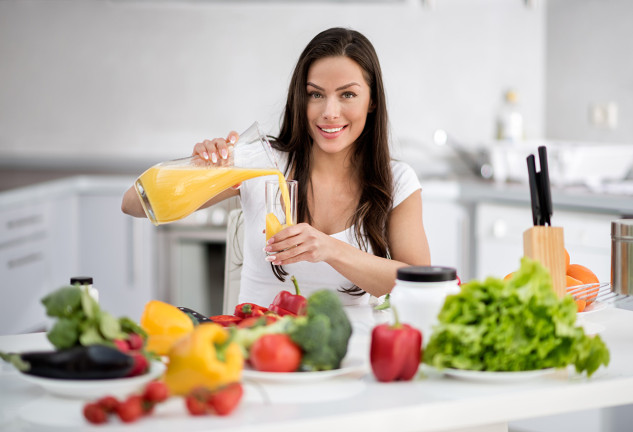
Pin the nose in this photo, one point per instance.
(332, 109)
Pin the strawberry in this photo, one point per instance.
(226, 399)
(94, 413)
(140, 364)
(108, 403)
(156, 391)
(196, 401)
(131, 409)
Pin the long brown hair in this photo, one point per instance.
(371, 150)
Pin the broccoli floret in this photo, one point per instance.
(323, 334)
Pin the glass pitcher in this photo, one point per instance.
(172, 190)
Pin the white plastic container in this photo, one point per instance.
(419, 295)
(86, 283)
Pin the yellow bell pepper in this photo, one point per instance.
(164, 324)
(205, 357)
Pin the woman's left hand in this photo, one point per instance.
(296, 243)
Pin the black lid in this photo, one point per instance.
(81, 280)
(427, 274)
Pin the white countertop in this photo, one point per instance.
(432, 402)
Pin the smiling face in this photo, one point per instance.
(339, 100)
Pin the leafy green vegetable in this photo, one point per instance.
(63, 303)
(80, 320)
(514, 325)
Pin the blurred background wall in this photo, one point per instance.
(120, 84)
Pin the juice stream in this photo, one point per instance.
(175, 192)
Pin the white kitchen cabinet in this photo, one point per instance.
(74, 227)
(499, 238)
(25, 260)
(447, 227)
(117, 251)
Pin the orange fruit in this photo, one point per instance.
(508, 276)
(566, 260)
(572, 282)
(582, 273)
(581, 305)
(585, 276)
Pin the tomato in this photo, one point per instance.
(275, 353)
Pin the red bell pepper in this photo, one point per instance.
(396, 351)
(286, 303)
(225, 320)
(245, 310)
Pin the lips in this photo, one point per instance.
(331, 131)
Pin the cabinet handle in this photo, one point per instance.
(24, 221)
(25, 260)
(38, 235)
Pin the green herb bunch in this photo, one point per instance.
(80, 320)
(513, 325)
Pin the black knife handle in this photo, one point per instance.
(544, 185)
(534, 191)
(196, 315)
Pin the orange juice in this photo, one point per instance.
(273, 226)
(170, 193)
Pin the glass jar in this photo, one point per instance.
(419, 295)
(86, 283)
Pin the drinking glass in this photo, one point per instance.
(281, 205)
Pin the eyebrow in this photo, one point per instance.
(343, 87)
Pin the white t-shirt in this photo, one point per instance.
(259, 285)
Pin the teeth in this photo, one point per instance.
(332, 130)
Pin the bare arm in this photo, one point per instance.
(375, 275)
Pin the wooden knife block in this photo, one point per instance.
(546, 245)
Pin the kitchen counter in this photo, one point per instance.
(433, 402)
(570, 198)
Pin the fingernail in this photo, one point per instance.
(268, 249)
(214, 157)
(232, 139)
(277, 263)
(270, 241)
(225, 154)
(271, 258)
(205, 155)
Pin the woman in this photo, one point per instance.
(359, 213)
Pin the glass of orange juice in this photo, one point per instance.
(281, 205)
(172, 190)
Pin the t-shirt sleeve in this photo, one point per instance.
(405, 181)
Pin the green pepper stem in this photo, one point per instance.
(220, 348)
(296, 284)
(396, 318)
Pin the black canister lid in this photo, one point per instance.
(81, 280)
(426, 274)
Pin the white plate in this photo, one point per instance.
(497, 376)
(93, 389)
(349, 367)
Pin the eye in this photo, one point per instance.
(348, 95)
(314, 95)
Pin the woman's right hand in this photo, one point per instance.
(216, 149)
